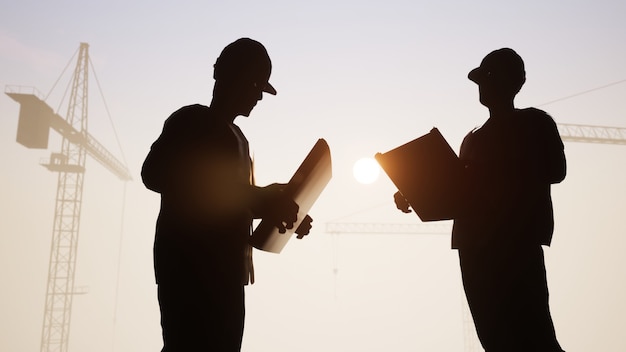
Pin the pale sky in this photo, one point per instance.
(366, 76)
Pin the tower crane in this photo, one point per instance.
(36, 119)
(592, 134)
(568, 132)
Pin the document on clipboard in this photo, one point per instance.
(305, 186)
(427, 172)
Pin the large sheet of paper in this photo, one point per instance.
(427, 172)
(305, 186)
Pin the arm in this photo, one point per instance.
(159, 162)
(272, 204)
(556, 163)
(552, 162)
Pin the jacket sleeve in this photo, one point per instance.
(159, 163)
(150, 175)
(552, 163)
(169, 160)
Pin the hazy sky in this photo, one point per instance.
(366, 76)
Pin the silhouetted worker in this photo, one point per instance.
(504, 213)
(200, 165)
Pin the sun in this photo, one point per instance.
(366, 170)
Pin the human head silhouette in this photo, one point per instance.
(245, 60)
(241, 74)
(500, 76)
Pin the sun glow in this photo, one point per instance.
(366, 170)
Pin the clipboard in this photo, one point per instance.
(428, 173)
(305, 186)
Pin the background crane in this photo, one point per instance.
(568, 132)
(592, 134)
(36, 119)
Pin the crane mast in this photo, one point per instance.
(35, 122)
(70, 165)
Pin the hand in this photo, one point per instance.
(401, 202)
(277, 207)
(305, 227)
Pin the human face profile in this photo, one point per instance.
(251, 93)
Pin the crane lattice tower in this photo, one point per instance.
(35, 121)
